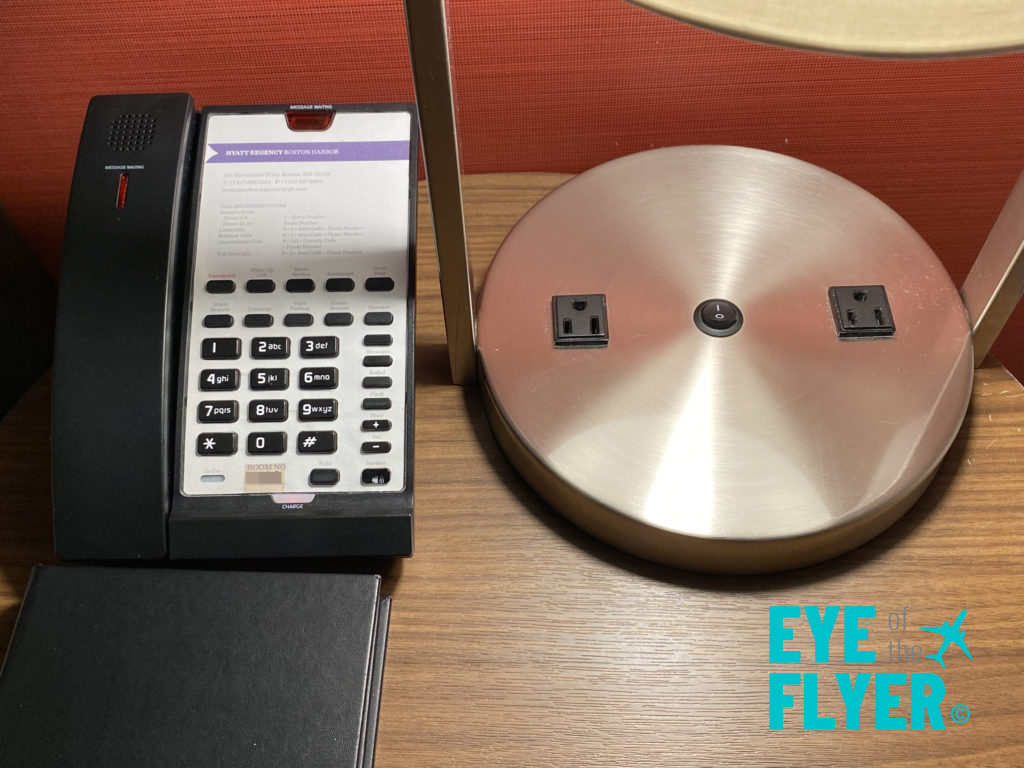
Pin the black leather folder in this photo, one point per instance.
(122, 667)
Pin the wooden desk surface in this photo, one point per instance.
(517, 640)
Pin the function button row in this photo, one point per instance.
(297, 319)
(301, 285)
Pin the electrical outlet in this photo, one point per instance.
(861, 311)
(580, 320)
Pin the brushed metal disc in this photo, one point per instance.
(774, 447)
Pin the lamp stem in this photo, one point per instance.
(428, 47)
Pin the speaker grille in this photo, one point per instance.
(131, 132)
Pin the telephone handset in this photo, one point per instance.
(233, 370)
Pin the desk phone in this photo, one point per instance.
(234, 354)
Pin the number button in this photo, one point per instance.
(266, 443)
(217, 411)
(218, 381)
(221, 349)
(318, 378)
(318, 410)
(319, 346)
(276, 347)
(317, 442)
(268, 410)
(216, 444)
(268, 378)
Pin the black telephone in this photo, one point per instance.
(233, 365)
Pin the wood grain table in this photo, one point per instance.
(518, 640)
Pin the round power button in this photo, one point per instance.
(718, 317)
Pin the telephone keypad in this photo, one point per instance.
(365, 373)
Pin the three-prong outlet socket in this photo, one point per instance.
(580, 320)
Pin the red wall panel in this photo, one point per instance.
(541, 85)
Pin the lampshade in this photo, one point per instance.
(867, 27)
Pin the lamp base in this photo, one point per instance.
(722, 359)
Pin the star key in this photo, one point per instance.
(216, 444)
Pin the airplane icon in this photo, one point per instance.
(950, 634)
